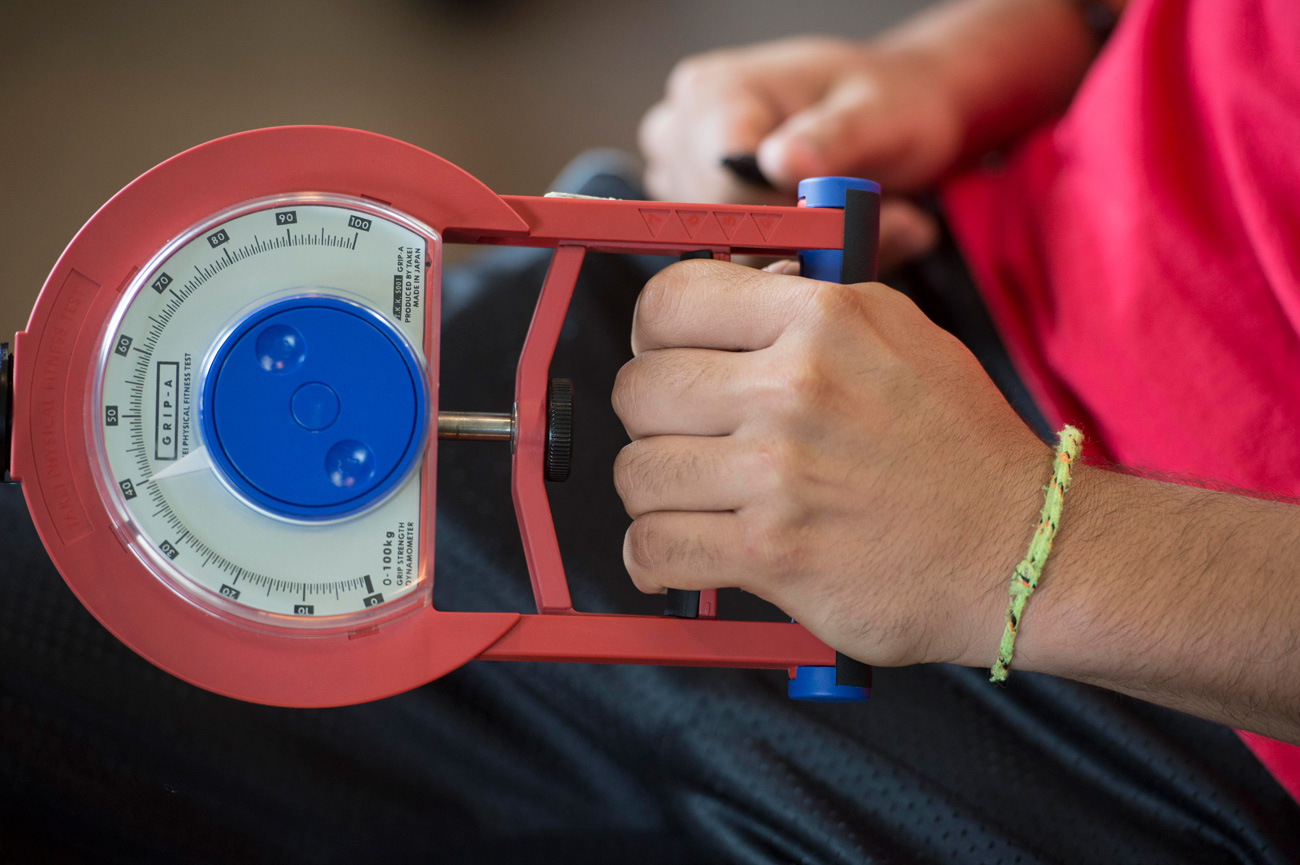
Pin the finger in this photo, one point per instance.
(680, 391)
(711, 131)
(715, 304)
(659, 146)
(906, 232)
(684, 143)
(684, 473)
(659, 182)
(740, 127)
(654, 134)
(685, 550)
(786, 266)
(736, 124)
(838, 135)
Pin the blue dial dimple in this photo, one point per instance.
(314, 408)
(349, 464)
(280, 348)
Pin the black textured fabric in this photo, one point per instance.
(105, 759)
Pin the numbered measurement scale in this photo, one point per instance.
(224, 415)
(264, 408)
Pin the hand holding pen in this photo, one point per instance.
(745, 125)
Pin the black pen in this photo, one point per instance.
(744, 167)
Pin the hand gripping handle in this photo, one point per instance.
(848, 680)
(855, 262)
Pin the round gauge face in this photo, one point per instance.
(262, 412)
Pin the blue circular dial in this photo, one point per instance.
(314, 408)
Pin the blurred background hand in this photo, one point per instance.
(903, 108)
(807, 106)
(510, 90)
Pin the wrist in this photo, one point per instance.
(1002, 523)
(1103, 567)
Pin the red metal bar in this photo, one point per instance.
(528, 488)
(651, 226)
(652, 640)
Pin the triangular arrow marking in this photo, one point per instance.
(766, 223)
(692, 219)
(729, 222)
(655, 219)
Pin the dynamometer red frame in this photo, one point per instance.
(55, 355)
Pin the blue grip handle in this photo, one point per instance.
(860, 201)
(848, 680)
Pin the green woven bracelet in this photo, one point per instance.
(1026, 575)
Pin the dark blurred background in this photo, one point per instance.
(93, 94)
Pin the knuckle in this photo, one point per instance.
(644, 549)
(857, 93)
(806, 383)
(895, 304)
(625, 396)
(661, 298)
(644, 473)
(691, 74)
(785, 461)
(771, 396)
(838, 303)
(625, 473)
(794, 388)
(653, 131)
(785, 472)
(773, 551)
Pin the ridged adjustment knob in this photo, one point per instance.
(559, 429)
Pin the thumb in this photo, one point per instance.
(840, 134)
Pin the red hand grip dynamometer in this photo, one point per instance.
(54, 382)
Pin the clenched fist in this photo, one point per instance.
(827, 448)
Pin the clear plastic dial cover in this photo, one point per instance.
(172, 506)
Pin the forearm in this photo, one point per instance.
(1008, 65)
(827, 448)
(1177, 595)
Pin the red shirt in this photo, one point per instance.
(1141, 256)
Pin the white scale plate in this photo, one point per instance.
(173, 508)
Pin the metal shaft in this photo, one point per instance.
(476, 426)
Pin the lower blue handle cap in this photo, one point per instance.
(817, 685)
